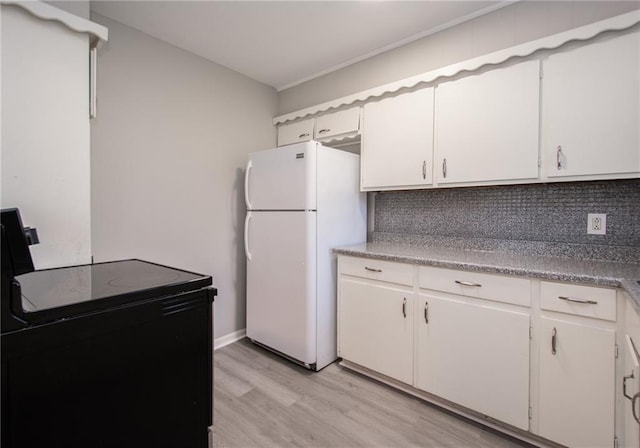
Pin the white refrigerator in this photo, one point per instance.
(302, 200)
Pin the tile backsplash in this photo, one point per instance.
(545, 219)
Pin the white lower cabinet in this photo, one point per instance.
(631, 394)
(577, 364)
(476, 355)
(577, 383)
(376, 327)
(536, 355)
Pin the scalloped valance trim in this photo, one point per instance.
(583, 33)
(96, 32)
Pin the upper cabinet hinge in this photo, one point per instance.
(530, 335)
(616, 350)
(615, 442)
(530, 413)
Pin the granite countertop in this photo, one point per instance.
(599, 273)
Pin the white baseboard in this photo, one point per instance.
(230, 338)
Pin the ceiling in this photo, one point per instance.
(285, 43)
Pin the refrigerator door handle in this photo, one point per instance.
(246, 235)
(246, 184)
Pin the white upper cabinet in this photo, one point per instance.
(341, 124)
(300, 131)
(590, 109)
(397, 141)
(566, 110)
(486, 126)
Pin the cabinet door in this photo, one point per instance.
(591, 109)
(300, 131)
(631, 381)
(342, 123)
(475, 355)
(397, 141)
(486, 126)
(376, 328)
(576, 383)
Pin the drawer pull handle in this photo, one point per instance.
(559, 158)
(426, 312)
(305, 135)
(404, 307)
(553, 340)
(424, 169)
(372, 269)
(624, 385)
(574, 300)
(444, 168)
(476, 285)
(323, 131)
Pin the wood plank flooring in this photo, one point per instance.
(262, 400)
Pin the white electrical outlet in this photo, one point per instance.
(597, 223)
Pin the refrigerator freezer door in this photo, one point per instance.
(282, 178)
(281, 282)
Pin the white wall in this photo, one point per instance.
(45, 134)
(506, 27)
(169, 146)
(80, 8)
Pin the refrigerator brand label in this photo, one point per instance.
(300, 155)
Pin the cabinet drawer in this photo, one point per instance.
(580, 300)
(338, 123)
(300, 131)
(475, 284)
(386, 271)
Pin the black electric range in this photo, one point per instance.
(66, 292)
(115, 354)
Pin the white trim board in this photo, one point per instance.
(583, 33)
(230, 338)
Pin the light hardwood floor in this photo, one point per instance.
(262, 400)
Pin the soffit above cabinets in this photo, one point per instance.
(583, 33)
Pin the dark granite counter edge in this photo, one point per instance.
(630, 286)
